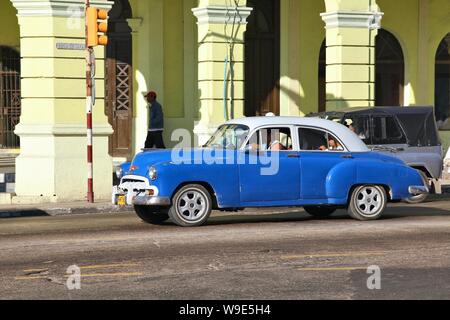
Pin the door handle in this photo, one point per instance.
(294, 156)
(348, 156)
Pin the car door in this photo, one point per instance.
(268, 176)
(317, 159)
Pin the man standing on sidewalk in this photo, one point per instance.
(156, 125)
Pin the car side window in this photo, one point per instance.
(387, 131)
(318, 140)
(360, 125)
(271, 139)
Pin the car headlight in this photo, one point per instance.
(119, 172)
(152, 173)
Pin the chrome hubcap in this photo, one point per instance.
(369, 201)
(192, 205)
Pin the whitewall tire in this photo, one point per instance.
(191, 206)
(367, 202)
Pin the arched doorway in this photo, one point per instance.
(9, 97)
(390, 70)
(262, 58)
(322, 77)
(119, 79)
(442, 81)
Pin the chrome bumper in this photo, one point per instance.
(151, 201)
(142, 200)
(418, 190)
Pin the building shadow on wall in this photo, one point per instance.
(295, 96)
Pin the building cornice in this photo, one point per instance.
(222, 15)
(353, 19)
(33, 130)
(56, 8)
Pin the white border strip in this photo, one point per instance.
(222, 15)
(352, 19)
(55, 8)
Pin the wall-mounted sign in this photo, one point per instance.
(71, 46)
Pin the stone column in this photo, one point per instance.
(140, 121)
(52, 165)
(351, 28)
(215, 25)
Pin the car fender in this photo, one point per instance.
(223, 183)
(340, 180)
(397, 177)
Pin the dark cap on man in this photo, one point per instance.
(151, 94)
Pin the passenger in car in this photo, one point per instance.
(333, 145)
(277, 146)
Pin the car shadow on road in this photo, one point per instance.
(414, 211)
(5, 214)
(236, 218)
(299, 215)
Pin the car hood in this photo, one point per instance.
(144, 160)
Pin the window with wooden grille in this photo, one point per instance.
(9, 97)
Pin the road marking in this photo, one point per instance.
(99, 266)
(93, 267)
(91, 275)
(57, 241)
(30, 278)
(334, 255)
(118, 274)
(102, 266)
(333, 269)
(35, 270)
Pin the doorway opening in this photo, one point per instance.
(389, 69)
(262, 58)
(442, 82)
(119, 79)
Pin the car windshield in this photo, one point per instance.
(229, 137)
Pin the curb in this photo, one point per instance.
(54, 211)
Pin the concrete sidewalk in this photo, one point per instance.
(55, 209)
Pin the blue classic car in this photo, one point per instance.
(312, 163)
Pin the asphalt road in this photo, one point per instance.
(267, 254)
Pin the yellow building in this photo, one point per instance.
(208, 60)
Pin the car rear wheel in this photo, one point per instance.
(367, 202)
(320, 211)
(191, 206)
(421, 197)
(152, 215)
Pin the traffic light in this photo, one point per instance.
(94, 27)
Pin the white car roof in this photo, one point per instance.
(348, 137)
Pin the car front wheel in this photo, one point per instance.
(320, 211)
(152, 215)
(367, 202)
(191, 206)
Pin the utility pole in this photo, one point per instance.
(89, 106)
(93, 39)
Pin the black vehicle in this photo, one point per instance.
(408, 133)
